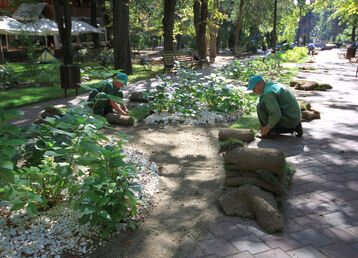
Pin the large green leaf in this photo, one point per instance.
(6, 164)
(6, 176)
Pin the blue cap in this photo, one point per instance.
(122, 77)
(253, 81)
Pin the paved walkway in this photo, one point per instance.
(321, 209)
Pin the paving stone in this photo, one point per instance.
(355, 246)
(291, 226)
(242, 255)
(225, 229)
(352, 185)
(229, 230)
(306, 252)
(250, 243)
(283, 242)
(340, 235)
(348, 195)
(337, 218)
(352, 230)
(274, 253)
(311, 237)
(339, 250)
(198, 252)
(206, 236)
(217, 247)
(291, 211)
(303, 189)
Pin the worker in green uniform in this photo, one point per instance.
(277, 108)
(101, 102)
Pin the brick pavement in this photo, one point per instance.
(322, 206)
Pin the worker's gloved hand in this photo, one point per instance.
(265, 130)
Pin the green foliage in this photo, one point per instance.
(70, 159)
(269, 67)
(50, 73)
(294, 55)
(10, 143)
(242, 71)
(7, 76)
(18, 97)
(190, 93)
(248, 121)
(230, 144)
(140, 112)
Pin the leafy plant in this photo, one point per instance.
(10, 143)
(7, 76)
(294, 55)
(74, 161)
(190, 92)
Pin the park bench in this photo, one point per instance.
(166, 58)
(171, 57)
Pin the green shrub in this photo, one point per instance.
(190, 93)
(294, 55)
(11, 141)
(7, 77)
(74, 162)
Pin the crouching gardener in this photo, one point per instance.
(277, 109)
(99, 100)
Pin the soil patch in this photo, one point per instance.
(191, 173)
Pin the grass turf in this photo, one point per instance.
(17, 97)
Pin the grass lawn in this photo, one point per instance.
(13, 98)
(20, 97)
(249, 121)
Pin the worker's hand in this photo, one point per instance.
(265, 130)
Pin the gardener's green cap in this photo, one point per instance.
(122, 77)
(253, 81)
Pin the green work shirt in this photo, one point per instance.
(281, 105)
(102, 105)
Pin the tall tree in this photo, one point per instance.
(64, 22)
(274, 31)
(214, 18)
(346, 11)
(95, 36)
(200, 22)
(168, 27)
(354, 27)
(121, 46)
(300, 4)
(239, 23)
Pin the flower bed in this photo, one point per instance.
(66, 187)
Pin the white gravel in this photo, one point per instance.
(203, 118)
(56, 231)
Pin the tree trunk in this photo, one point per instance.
(300, 22)
(354, 27)
(95, 36)
(240, 16)
(274, 32)
(168, 27)
(200, 21)
(64, 23)
(122, 51)
(213, 32)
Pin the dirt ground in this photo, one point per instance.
(191, 175)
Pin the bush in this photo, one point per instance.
(7, 77)
(190, 92)
(74, 162)
(242, 71)
(294, 55)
